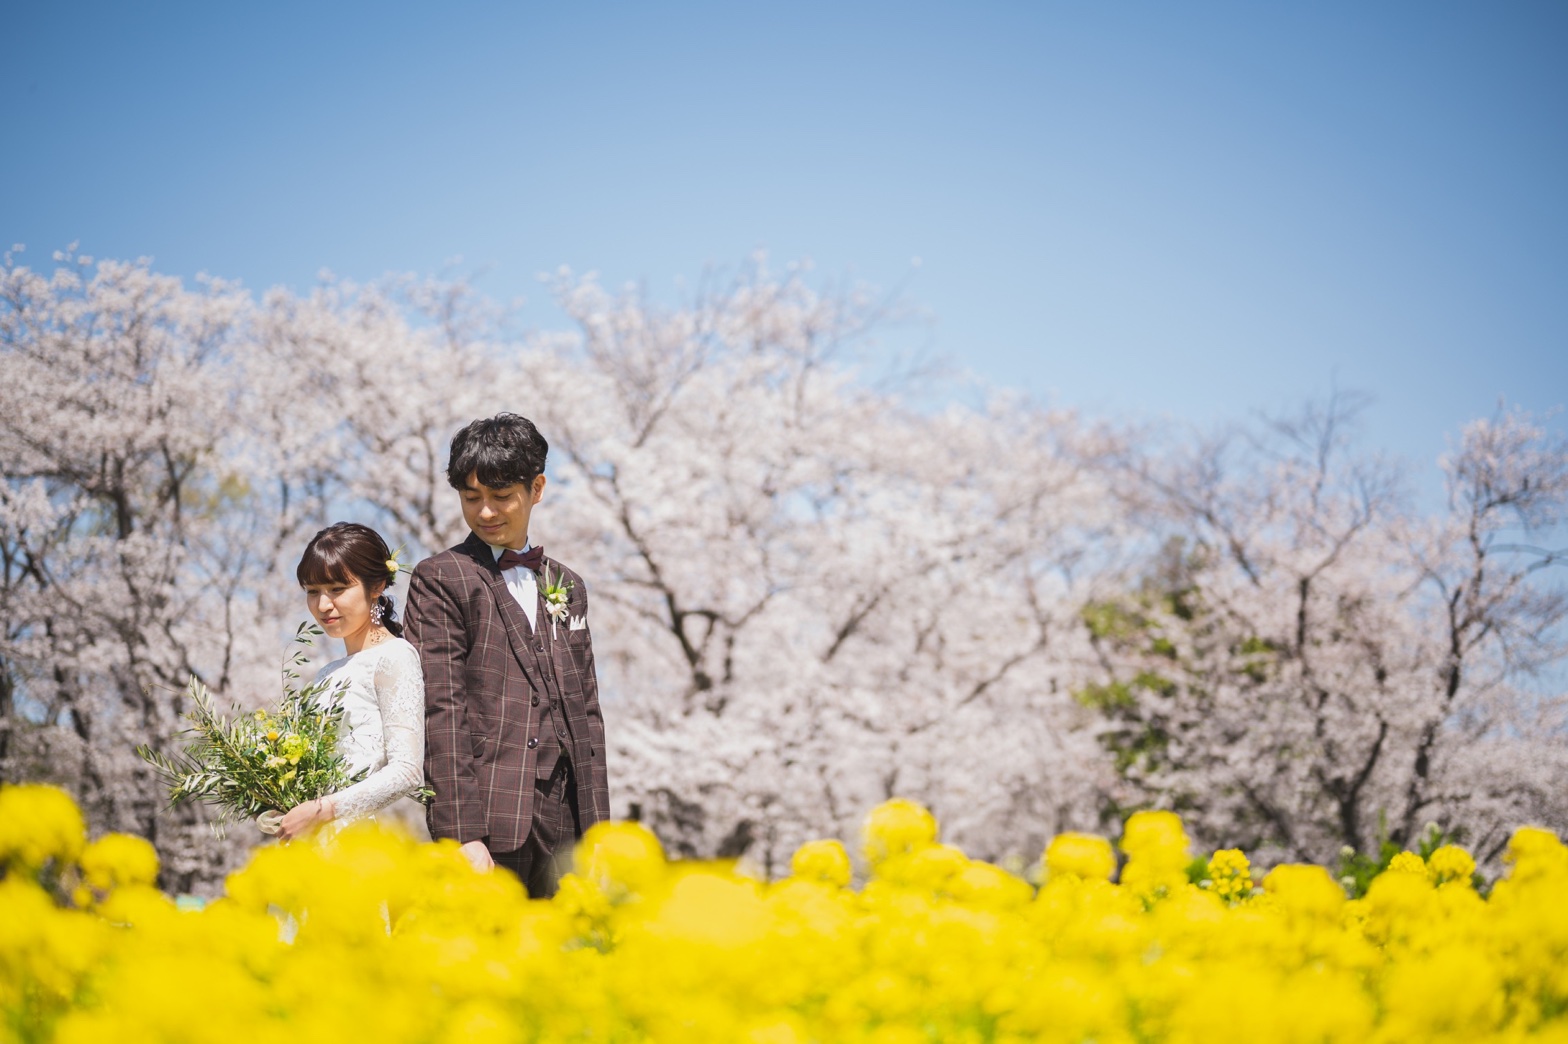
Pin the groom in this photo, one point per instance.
(514, 741)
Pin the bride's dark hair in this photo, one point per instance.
(348, 553)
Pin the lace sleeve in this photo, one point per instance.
(400, 694)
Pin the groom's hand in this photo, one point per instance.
(478, 855)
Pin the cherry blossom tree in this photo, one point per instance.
(811, 590)
(1309, 664)
(358, 391)
(811, 595)
(167, 453)
(119, 574)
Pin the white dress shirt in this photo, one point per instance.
(523, 583)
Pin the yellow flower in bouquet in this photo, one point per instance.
(269, 761)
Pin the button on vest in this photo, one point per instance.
(554, 733)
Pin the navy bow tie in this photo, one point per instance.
(533, 558)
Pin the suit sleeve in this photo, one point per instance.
(590, 676)
(435, 626)
(599, 775)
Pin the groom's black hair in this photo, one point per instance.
(504, 450)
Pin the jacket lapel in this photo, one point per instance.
(542, 614)
(518, 633)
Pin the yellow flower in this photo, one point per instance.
(896, 827)
(1156, 834)
(38, 823)
(294, 747)
(1451, 864)
(929, 868)
(711, 908)
(624, 857)
(1407, 863)
(1080, 855)
(1156, 847)
(1231, 874)
(1305, 890)
(986, 887)
(1534, 852)
(824, 861)
(936, 946)
(115, 860)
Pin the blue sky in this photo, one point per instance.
(1187, 211)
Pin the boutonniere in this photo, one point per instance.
(555, 594)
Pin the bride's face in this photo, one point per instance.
(341, 610)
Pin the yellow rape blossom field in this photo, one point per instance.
(374, 937)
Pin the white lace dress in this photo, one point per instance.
(383, 725)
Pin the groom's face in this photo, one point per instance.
(499, 514)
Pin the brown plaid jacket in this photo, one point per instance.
(483, 694)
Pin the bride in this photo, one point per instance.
(345, 572)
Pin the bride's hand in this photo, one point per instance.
(303, 818)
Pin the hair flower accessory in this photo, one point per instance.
(392, 564)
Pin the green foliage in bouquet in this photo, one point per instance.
(246, 764)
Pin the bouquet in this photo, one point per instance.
(263, 764)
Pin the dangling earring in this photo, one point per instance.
(376, 614)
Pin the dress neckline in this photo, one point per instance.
(384, 643)
(350, 657)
